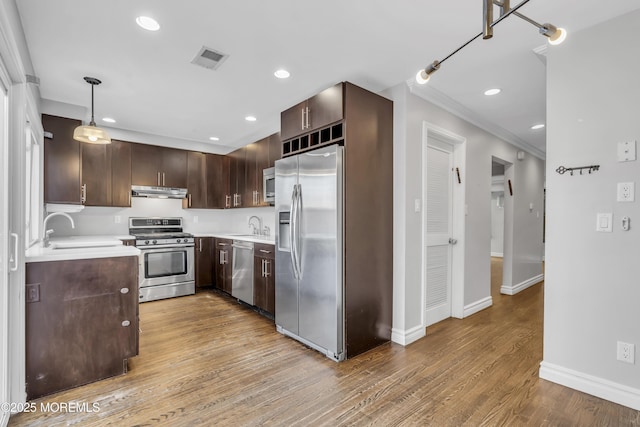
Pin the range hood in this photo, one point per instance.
(158, 192)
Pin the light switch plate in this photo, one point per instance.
(626, 151)
(604, 222)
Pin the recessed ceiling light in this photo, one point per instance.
(491, 92)
(108, 120)
(282, 74)
(250, 119)
(148, 23)
(214, 138)
(538, 126)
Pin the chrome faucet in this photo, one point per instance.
(44, 238)
(259, 230)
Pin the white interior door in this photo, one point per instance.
(438, 230)
(5, 256)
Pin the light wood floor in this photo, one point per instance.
(206, 360)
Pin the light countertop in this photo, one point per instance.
(81, 247)
(267, 240)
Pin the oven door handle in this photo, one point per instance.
(166, 248)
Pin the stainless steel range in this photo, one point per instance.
(166, 259)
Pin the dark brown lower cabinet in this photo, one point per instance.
(81, 321)
(203, 261)
(264, 279)
(223, 262)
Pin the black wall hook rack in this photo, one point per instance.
(561, 170)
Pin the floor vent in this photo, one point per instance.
(209, 58)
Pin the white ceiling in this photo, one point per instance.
(150, 86)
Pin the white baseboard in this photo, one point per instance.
(406, 337)
(595, 386)
(477, 306)
(497, 254)
(514, 289)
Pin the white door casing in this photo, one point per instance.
(442, 224)
(6, 256)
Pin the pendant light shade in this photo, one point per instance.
(90, 133)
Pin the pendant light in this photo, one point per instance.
(91, 134)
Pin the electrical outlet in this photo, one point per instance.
(33, 292)
(117, 219)
(626, 352)
(195, 219)
(626, 191)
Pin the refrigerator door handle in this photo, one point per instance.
(292, 224)
(298, 222)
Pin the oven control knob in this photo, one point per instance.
(155, 242)
(178, 241)
(146, 242)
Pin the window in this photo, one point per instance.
(33, 186)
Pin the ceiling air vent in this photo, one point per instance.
(209, 58)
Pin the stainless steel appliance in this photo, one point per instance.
(158, 192)
(269, 185)
(166, 258)
(309, 249)
(242, 271)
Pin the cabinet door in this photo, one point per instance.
(196, 181)
(61, 161)
(145, 161)
(249, 196)
(174, 168)
(217, 181)
(275, 149)
(237, 177)
(325, 107)
(96, 174)
(264, 294)
(203, 261)
(292, 121)
(120, 173)
(262, 162)
(223, 264)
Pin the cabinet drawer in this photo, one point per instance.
(264, 250)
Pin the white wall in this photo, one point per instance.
(101, 220)
(592, 289)
(410, 112)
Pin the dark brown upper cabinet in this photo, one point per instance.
(237, 165)
(61, 161)
(259, 156)
(106, 174)
(158, 166)
(196, 181)
(217, 181)
(318, 111)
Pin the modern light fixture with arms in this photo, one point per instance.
(90, 133)
(556, 35)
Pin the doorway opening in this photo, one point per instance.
(501, 255)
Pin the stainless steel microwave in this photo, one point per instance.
(269, 185)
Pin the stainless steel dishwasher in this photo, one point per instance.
(242, 280)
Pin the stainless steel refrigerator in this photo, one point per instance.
(309, 249)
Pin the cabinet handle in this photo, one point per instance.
(265, 251)
(221, 258)
(163, 184)
(189, 199)
(267, 264)
(222, 244)
(308, 119)
(200, 242)
(158, 179)
(124, 290)
(302, 120)
(125, 323)
(227, 201)
(129, 198)
(83, 194)
(262, 264)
